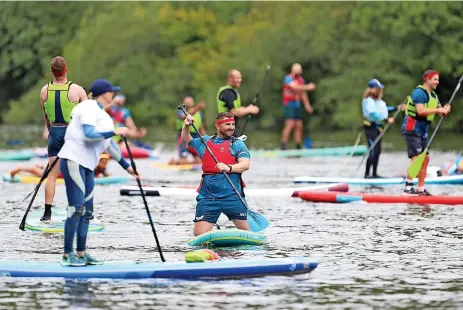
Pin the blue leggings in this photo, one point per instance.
(79, 189)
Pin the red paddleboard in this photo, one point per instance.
(379, 198)
(137, 152)
(344, 187)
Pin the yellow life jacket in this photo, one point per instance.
(432, 103)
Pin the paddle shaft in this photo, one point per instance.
(377, 139)
(357, 141)
(442, 118)
(36, 190)
(132, 163)
(215, 159)
(254, 101)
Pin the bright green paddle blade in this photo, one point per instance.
(416, 165)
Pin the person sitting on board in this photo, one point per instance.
(122, 118)
(38, 169)
(215, 195)
(229, 99)
(453, 168)
(422, 106)
(294, 91)
(88, 135)
(57, 99)
(375, 113)
(195, 111)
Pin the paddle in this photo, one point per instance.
(256, 222)
(377, 139)
(254, 101)
(35, 191)
(416, 165)
(132, 163)
(357, 141)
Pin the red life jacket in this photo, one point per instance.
(221, 152)
(118, 116)
(223, 155)
(289, 94)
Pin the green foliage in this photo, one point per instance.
(161, 51)
(31, 34)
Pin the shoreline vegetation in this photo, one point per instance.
(159, 52)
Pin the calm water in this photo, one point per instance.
(370, 255)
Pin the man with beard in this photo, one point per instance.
(215, 195)
(422, 105)
(294, 91)
(229, 99)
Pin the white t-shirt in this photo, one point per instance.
(76, 146)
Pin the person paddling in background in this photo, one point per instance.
(229, 99)
(88, 136)
(375, 113)
(38, 170)
(57, 98)
(453, 168)
(294, 91)
(422, 106)
(122, 118)
(215, 195)
(195, 111)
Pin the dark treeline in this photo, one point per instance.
(159, 52)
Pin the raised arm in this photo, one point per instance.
(185, 135)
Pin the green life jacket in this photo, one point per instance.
(221, 104)
(197, 117)
(432, 103)
(117, 139)
(58, 107)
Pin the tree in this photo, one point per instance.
(30, 37)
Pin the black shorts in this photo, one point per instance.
(56, 139)
(415, 144)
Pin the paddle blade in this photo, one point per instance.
(416, 165)
(257, 222)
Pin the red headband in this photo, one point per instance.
(225, 120)
(430, 75)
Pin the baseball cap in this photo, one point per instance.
(375, 84)
(101, 86)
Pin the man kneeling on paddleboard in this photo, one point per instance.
(215, 195)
